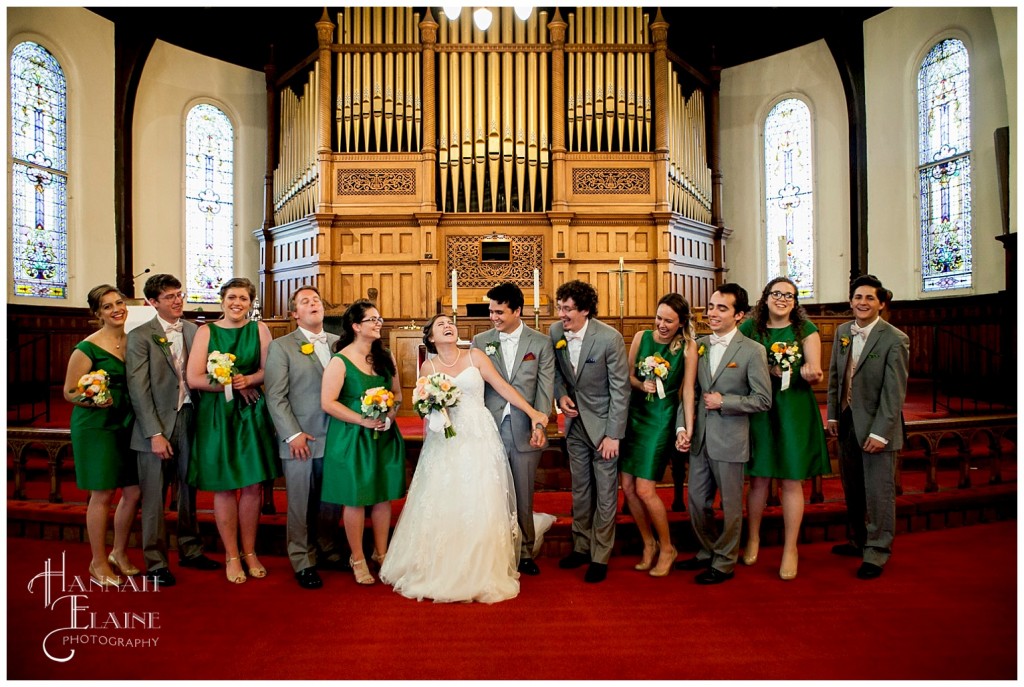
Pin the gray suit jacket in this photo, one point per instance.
(879, 382)
(743, 380)
(152, 382)
(533, 375)
(292, 384)
(600, 385)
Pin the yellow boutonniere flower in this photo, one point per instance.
(702, 350)
(162, 342)
(561, 343)
(844, 343)
(306, 349)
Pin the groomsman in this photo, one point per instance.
(525, 359)
(867, 383)
(294, 372)
(592, 388)
(732, 383)
(155, 360)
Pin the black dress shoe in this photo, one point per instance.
(596, 572)
(199, 562)
(161, 577)
(847, 549)
(308, 578)
(869, 571)
(693, 564)
(528, 567)
(713, 576)
(575, 559)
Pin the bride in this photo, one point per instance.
(457, 538)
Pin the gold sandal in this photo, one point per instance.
(237, 579)
(126, 569)
(378, 558)
(360, 571)
(257, 571)
(645, 562)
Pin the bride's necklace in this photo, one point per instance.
(451, 364)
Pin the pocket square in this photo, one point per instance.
(732, 365)
(591, 360)
(872, 355)
(529, 356)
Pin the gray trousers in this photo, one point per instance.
(524, 473)
(869, 484)
(706, 477)
(312, 524)
(595, 496)
(155, 476)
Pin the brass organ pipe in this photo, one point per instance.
(609, 77)
(416, 143)
(355, 85)
(507, 118)
(599, 81)
(647, 90)
(494, 105)
(454, 85)
(588, 85)
(520, 110)
(545, 144)
(366, 109)
(479, 119)
(620, 75)
(442, 114)
(410, 35)
(343, 116)
(641, 80)
(630, 80)
(532, 115)
(466, 127)
(388, 78)
(378, 75)
(570, 100)
(399, 60)
(580, 97)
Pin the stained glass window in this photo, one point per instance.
(789, 195)
(944, 171)
(209, 202)
(39, 173)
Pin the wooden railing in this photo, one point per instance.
(28, 384)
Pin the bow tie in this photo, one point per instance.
(176, 327)
(719, 340)
(511, 338)
(573, 336)
(862, 332)
(318, 338)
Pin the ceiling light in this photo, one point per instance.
(452, 11)
(523, 11)
(482, 18)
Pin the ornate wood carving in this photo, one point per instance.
(463, 254)
(399, 182)
(607, 180)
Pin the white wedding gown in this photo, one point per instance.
(457, 538)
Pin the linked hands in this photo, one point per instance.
(538, 436)
(683, 441)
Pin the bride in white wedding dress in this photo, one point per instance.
(457, 538)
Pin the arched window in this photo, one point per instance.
(39, 173)
(944, 166)
(789, 194)
(209, 202)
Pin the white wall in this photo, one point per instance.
(174, 81)
(895, 43)
(748, 93)
(83, 43)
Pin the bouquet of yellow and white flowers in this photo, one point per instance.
(93, 388)
(220, 368)
(786, 356)
(376, 402)
(432, 397)
(656, 368)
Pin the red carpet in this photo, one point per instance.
(944, 609)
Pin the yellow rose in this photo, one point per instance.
(306, 348)
(561, 344)
(700, 351)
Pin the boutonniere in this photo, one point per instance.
(561, 343)
(732, 365)
(306, 348)
(872, 355)
(162, 342)
(529, 356)
(701, 351)
(844, 343)
(492, 349)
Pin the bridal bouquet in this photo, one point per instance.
(432, 397)
(786, 356)
(376, 402)
(656, 368)
(220, 367)
(93, 388)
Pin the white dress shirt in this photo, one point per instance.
(509, 349)
(718, 350)
(574, 342)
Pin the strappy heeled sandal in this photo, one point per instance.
(237, 579)
(360, 571)
(126, 569)
(378, 558)
(645, 562)
(257, 571)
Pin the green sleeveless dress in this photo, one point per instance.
(234, 444)
(360, 470)
(787, 441)
(651, 428)
(101, 437)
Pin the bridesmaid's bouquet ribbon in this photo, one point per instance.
(93, 388)
(656, 368)
(432, 397)
(220, 367)
(786, 356)
(376, 402)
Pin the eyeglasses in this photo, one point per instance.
(782, 296)
(378, 320)
(171, 297)
(567, 308)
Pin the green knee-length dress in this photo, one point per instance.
(234, 444)
(650, 429)
(360, 470)
(101, 437)
(787, 441)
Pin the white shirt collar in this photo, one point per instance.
(868, 328)
(518, 330)
(164, 323)
(308, 334)
(583, 330)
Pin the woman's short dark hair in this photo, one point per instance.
(238, 283)
(379, 357)
(96, 295)
(797, 316)
(583, 295)
(431, 348)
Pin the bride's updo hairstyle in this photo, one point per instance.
(379, 357)
(427, 332)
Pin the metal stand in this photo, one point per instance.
(622, 272)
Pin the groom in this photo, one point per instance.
(525, 359)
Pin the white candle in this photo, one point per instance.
(621, 265)
(455, 291)
(536, 290)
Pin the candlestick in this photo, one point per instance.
(536, 298)
(455, 291)
(621, 265)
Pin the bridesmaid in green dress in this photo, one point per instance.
(233, 450)
(787, 442)
(364, 458)
(650, 431)
(101, 434)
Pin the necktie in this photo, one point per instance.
(176, 327)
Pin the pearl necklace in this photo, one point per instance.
(451, 364)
